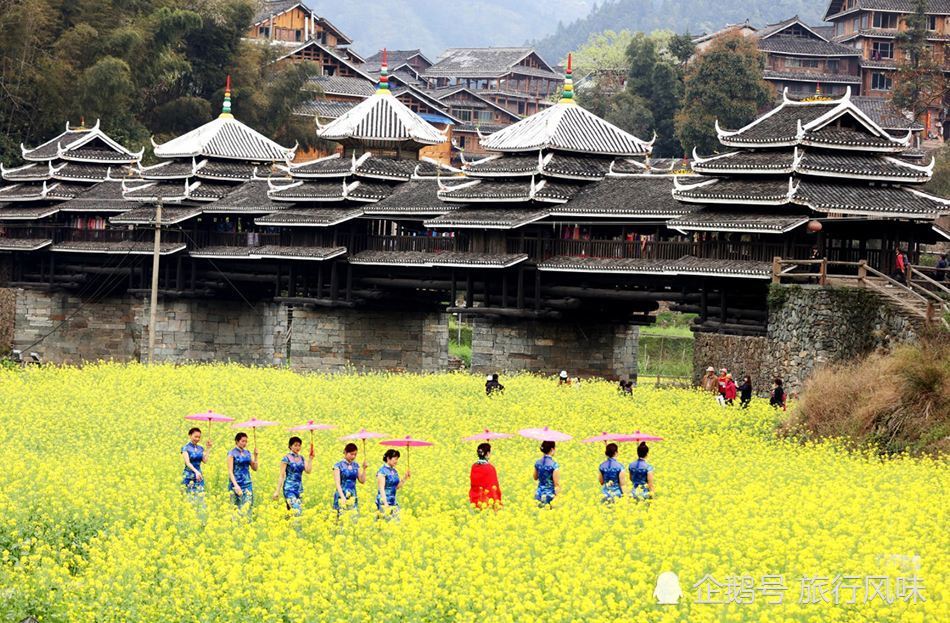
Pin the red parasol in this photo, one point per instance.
(637, 437)
(606, 437)
(254, 424)
(209, 417)
(544, 434)
(406, 442)
(488, 436)
(310, 426)
(362, 435)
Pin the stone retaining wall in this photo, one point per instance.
(547, 347)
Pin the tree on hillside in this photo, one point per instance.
(723, 83)
(920, 82)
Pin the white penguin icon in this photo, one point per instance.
(667, 591)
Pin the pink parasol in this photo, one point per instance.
(637, 437)
(544, 434)
(488, 436)
(406, 442)
(606, 437)
(209, 417)
(254, 424)
(310, 426)
(362, 435)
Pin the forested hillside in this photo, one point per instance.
(696, 16)
(145, 67)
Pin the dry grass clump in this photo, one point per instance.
(897, 402)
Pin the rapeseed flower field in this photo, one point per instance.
(93, 527)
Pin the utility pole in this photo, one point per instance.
(153, 309)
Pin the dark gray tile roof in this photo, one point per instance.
(169, 169)
(66, 190)
(247, 198)
(721, 268)
(308, 191)
(885, 114)
(32, 172)
(638, 197)
(768, 191)
(324, 109)
(210, 191)
(123, 247)
(782, 125)
(508, 192)
(387, 168)
(868, 200)
(50, 149)
(224, 137)
(332, 167)
(482, 63)
(395, 57)
(858, 165)
(432, 170)
(685, 266)
(847, 137)
(174, 190)
(313, 217)
(19, 213)
(763, 161)
(270, 252)
(420, 197)
(266, 8)
(801, 46)
(488, 218)
(77, 171)
(444, 258)
(369, 192)
(738, 221)
(233, 170)
(799, 76)
(504, 166)
(25, 191)
(102, 197)
(146, 216)
(344, 85)
(941, 7)
(556, 192)
(596, 264)
(576, 167)
(102, 156)
(24, 244)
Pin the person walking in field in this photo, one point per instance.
(484, 490)
(547, 473)
(641, 475)
(240, 464)
(611, 475)
(193, 455)
(387, 484)
(777, 399)
(346, 474)
(745, 392)
(493, 386)
(729, 391)
(290, 479)
(710, 382)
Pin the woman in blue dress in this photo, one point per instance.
(387, 483)
(611, 475)
(240, 464)
(641, 475)
(346, 474)
(547, 473)
(290, 479)
(193, 455)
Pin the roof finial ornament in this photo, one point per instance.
(567, 95)
(226, 108)
(383, 87)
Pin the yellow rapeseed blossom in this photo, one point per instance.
(93, 528)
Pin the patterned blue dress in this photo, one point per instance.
(349, 474)
(242, 474)
(392, 481)
(611, 470)
(545, 466)
(293, 481)
(638, 479)
(196, 454)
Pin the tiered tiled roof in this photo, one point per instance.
(825, 155)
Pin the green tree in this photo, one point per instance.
(920, 82)
(682, 48)
(723, 83)
(632, 113)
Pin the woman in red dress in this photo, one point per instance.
(484, 489)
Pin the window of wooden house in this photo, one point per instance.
(484, 116)
(882, 49)
(931, 22)
(880, 81)
(264, 31)
(865, 21)
(885, 20)
(298, 35)
(832, 65)
(465, 114)
(808, 63)
(461, 142)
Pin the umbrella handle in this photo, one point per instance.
(254, 431)
(311, 442)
